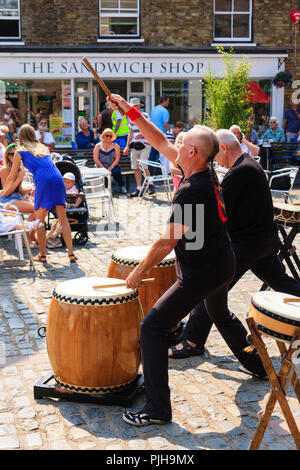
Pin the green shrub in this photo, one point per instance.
(227, 97)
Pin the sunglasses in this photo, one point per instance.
(108, 135)
(11, 154)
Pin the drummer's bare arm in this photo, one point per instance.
(151, 133)
(158, 251)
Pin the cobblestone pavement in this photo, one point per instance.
(215, 406)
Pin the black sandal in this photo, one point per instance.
(186, 351)
(40, 259)
(73, 258)
(141, 419)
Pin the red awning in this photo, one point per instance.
(257, 94)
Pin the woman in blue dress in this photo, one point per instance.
(50, 190)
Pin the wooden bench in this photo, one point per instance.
(87, 154)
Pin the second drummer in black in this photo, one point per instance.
(253, 234)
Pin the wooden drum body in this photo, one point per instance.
(274, 317)
(93, 335)
(124, 260)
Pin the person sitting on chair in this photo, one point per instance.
(274, 133)
(139, 150)
(106, 154)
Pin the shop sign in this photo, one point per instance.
(125, 67)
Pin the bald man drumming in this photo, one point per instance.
(205, 263)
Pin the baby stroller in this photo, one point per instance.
(78, 216)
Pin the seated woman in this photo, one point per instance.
(18, 196)
(274, 133)
(86, 138)
(12, 222)
(107, 154)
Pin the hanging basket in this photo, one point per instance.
(282, 79)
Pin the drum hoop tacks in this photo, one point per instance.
(94, 390)
(125, 262)
(275, 316)
(88, 301)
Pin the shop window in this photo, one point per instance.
(186, 102)
(119, 18)
(25, 101)
(9, 20)
(232, 20)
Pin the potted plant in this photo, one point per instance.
(282, 79)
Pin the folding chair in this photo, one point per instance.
(19, 236)
(288, 176)
(94, 188)
(162, 177)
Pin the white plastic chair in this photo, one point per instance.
(94, 189)
(161, 177)
(291, 173)
(19, 236)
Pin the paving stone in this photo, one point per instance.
(9, 442)
(34, 439)
(214, 405)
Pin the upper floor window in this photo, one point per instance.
(232, 20)
(10, 19)
(119, 18)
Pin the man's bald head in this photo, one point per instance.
(205, 141)
(230, 148)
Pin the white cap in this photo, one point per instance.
(134, 101)
(69, 176)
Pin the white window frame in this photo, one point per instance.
(232, 13)
(8, 18)
(119, 13)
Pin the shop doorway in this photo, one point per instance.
(99, 97)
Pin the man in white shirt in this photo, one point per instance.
(247, 147)
(139, 150)
(171, 135)
(43, 135)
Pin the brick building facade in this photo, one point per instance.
(148, 48)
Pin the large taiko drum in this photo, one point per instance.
(273, 316)
(93, 335)
(124, 260)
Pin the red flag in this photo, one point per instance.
(295, 15)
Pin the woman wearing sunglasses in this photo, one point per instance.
(18, 196)
(107, 154)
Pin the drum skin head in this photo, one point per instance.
(273, 316)
(83, 288)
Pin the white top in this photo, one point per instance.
(273, 303)
(48, 138)
(245, 148)
(137, 253)
(82, 288)
(2, 151)
(8, 222)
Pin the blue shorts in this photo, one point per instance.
(12, 197)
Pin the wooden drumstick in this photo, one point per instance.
(122, 284)
(291, 299)
(101, 83)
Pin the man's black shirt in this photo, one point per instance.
(248, 202)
